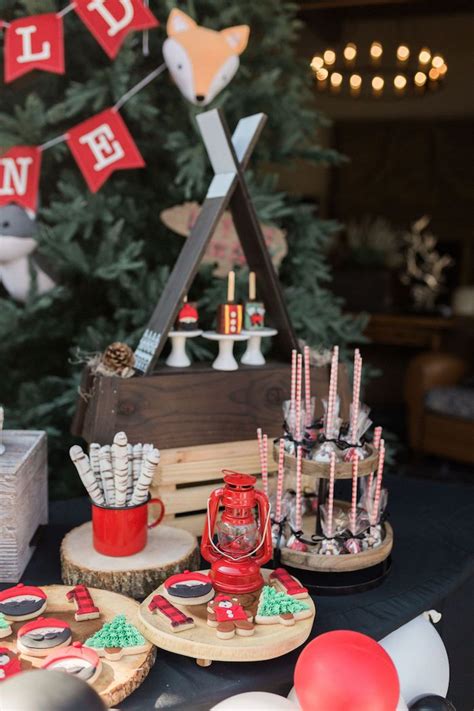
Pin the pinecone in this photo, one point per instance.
(118, 357)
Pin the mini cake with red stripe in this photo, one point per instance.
(39, 637)
(22, 602)
(188, 588)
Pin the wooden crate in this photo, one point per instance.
(188, 475)
(24, 499)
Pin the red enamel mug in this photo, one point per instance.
(123, 531)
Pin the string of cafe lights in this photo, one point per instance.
(380, 74)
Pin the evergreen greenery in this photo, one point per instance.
(110, 250)
(118, 633)
(274, 603)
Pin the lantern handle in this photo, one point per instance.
(240, 557)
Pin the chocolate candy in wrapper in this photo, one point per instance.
(322, 452)
(278, 539)
(329, 546)
(353, 545)
(295, 545)
(372, 538)
(340, 520)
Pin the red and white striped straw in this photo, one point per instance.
(265, 464)
(260, 448)
(355, 396)
(293, 380)
(307, 388)
(281, 475)
(355, 470)
(299, 368)
(378, 486)
(299, 490)
(329, 429)
(330, 499)
(376, 443)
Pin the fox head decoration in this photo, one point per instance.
(201, 61)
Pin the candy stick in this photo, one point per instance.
(130, 482)
(106, 474)
(260, 449)
(355, 397)
(82, 464)
(376, 443)
(151, 459)
(120, 467)
(307, 389)
(231, 287)
(299, 490)
(281, 474)
(330, 501)
(378, 486)
(331, 408)
(355, 470)
(293, 389)
(265, 464)
(299, 365)
(137, 462)
(95, 466)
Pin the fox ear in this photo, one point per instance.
(178, 22)
(236, 37)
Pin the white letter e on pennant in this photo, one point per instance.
(114, 24)
(104, 148)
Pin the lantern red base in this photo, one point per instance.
(236, 577)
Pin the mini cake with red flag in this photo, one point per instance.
(189, 588)
(22, 602)
(9, 663)
(188, 318)
(77, 660)
(39, 637)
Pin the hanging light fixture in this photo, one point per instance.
(376, 72)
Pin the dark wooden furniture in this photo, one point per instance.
(425, 332)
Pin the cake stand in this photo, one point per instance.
(253, 355)
(178, 358)
(225, 359)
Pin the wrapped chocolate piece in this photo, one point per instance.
(372, 538)
(353, 545)
(254, 316)
(330, 546)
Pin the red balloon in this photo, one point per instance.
(346, 671)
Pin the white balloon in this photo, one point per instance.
(256, 701)
(420, 657)
(293, 697)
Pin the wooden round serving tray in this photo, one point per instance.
(117, 679)
(320, 470)
(201, 642)
(340, 563)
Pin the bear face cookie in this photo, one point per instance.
(22, 602)
(40, 637)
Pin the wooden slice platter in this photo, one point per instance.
(201, 642)
(117, 679)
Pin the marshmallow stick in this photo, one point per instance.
(355, 470)
(299, 365)
(299, 490)
(265, 464)
(378, 486)
(376, 443)
(137, 462)
(120, 467)
(355, 397)
(330, 502)
(106, 474)
(82, 464)
(307, 386)
(151, 459)
(281, 474)
(95, 466)
(129, 472)
(332, 396)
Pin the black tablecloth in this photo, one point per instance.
(433, 567)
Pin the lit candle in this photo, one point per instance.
(399, 84)
(355, 471)
(330, 499)
(420, 81)
(307, 386)
(336, 82)
(355, 397)
(299, 365)
(322, 75)
(376, 51)
(281, 474)
(299, 491)
(378, 485)
(316, 63)
(350, 53)
(329, 57)
(332, 395)
(355, 83)
(377, 85)
(424, 57)
(403, 54)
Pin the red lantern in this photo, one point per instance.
(342, 671)
(244, 542)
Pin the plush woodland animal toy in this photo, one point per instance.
(202, 61)
(17, 243)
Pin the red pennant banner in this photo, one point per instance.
(101, 145)
(19, 176)
(34, 42)
(111, 20)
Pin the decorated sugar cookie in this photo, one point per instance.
(282, 581)
(116, 639)
(85, 608)
(229, 618)
(279, 608)
(9, 663)
(189, 588)
(22, 602)
(176, 620)
(39, 637)
(5, 627)
(76, 660)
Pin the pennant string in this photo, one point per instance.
(53, 142)
(138, 87)
(146, 36)
(66, 9)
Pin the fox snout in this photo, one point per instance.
(202, 61)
